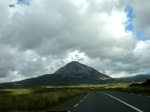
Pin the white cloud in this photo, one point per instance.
(45, 35)
(142, 51)
(12, 76)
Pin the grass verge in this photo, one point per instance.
(36, 101)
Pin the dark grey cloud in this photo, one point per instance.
(7, 54)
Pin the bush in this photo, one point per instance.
(134, 84)
(147, 83)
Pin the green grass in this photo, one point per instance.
(35, 100)
(46, 97)
(17, 91)
(138, 90)
(105, 86)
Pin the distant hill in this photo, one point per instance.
(73, 73)
(137, 78)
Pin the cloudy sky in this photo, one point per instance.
(40, 36)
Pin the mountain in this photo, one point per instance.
(76, 69)
(137, 78)
(73, 73)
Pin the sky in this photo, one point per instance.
(39, 36)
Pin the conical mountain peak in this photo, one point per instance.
(77, 69)
(73, 67)
(73, 63)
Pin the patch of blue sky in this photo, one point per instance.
(130, 15)
(129, 24)
(25, 2)
(129, 27)
(12, 5)
(140, 35)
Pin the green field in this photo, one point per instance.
(47, 97)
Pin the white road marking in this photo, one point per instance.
(75, 105)
(138, 110)
(85, 96)
(81, 100)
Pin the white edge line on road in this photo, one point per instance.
(138, 110)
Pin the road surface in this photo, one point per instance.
(108, 101)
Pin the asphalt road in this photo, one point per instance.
(108, 101)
